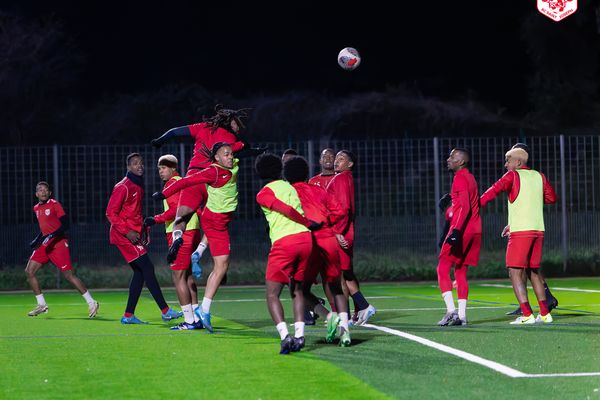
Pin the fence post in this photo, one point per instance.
(56, 193)
(311, 157)
(181, 163)
(563, 195)
(436, 185)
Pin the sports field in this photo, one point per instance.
(402, 354)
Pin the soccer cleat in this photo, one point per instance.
(517, 311)
(286, 345)
(131, 320)
(451, 318)
(354, 319)
(93, 309)
(297, 343)
(462, 322)
(199, 325)
(174, 249)
(205, 319)
(545, 319)
(309, 317)
(364, 315)
(522, 320)
(196, 267)
(332, 324)
(551, 302)
(184, 326)
(39, 309)
(171, 315)
(344, 337)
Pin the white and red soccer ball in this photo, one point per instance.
(349, 58)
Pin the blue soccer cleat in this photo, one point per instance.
(199, 325)
(184, 326)
(205, 319)
(131, 320)
(196, 267)
(171, 315)
(286, 345)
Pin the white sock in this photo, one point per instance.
(206, 302)
(449, 300)
(344, 320)
(88, 297)
(177, 234)
(188, 313)
(462, 309)
(40, 299)
(282, 329)
(299, 329)
(200, 249)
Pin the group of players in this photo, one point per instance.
(311, 227)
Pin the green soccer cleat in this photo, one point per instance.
(344, 337)
(332, 324)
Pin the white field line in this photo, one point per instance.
(501, 368)
(553, 288)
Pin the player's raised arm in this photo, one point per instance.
(171, 133)
(503, 184)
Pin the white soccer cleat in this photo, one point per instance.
(40, 309)
(365, 315)
(94, 309)
(524, 320)
(544, 319)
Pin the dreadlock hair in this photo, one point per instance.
(351, 156)
(295, 170)
(212, 153)
(224, 116)
(268, 166)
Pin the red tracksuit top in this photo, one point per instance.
(124, 210)
(465, 203)
(511, 183)
(341, 187)
(319, 206)
(204, 138)
(321, 180)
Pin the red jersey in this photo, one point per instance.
(511, 183)
(124, 210)
(319, 206)
(172, 201)
(321, 180)
(205, 138)
(465, 203)
(213, 176)
(341, 187)
(48, 215)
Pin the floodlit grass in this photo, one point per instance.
(65, 355)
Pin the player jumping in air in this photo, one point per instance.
(528, 191)
(124, 212)
(291, 246)
(51, 244)
(462, 244)
(185, 286)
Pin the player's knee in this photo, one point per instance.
(349, 275)
(335, 288)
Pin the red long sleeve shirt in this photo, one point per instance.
(212, 176)
(204, 138)
(321, 180)
(341, 187)
(465, 203)
(511, 183)
(319, 206)
(124, 210)
(172, 202)
(266, 198)
(48, 215)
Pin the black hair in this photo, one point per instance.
(295, 170)
(211, 154)
(350, 155)
(268, 166)
(130, 156)
(224, 116)
(43, 183)
(466, 155)
(290, 152)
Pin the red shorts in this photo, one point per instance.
(524, 249)
(324, 259)
(468, 254)
(216, 229)
(191, 239)
(130, 251)
(57, 251)
(193, 196)
(347, 254)
(288, 258)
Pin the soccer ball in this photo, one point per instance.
(349, 58)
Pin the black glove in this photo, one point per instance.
(155, 143)
(37, 242)
(158, 196)
(445, 202)
(454, 238)
(315, 226)
(149, 221)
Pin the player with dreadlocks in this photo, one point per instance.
(223, 127)
(219, 179)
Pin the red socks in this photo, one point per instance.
(543, 307)
(526, 308)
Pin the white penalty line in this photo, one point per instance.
(553, 288)
(501, 368)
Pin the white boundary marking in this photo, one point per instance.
(501, 368)
(553, 288)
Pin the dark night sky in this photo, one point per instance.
(447, 48)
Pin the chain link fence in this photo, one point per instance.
(398, 183)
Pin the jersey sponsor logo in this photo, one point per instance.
(47, 212)
(134, 194)
(224, 176)
(557, 10)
